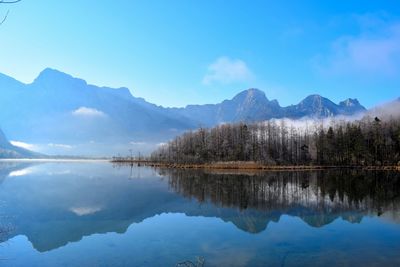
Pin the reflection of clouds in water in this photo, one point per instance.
(53, 173)
(38, 170)
(82, 211)
(21, 172)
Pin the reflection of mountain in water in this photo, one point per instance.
(54, 204)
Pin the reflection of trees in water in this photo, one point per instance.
(5, 231)
(327, 191)
(6, 227)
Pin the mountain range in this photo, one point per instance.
(252, 105)
(63, 114)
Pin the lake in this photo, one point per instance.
(99, 214)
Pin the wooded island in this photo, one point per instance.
(366, 142)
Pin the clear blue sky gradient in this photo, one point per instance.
(163, 50)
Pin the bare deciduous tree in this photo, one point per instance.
(364, 142)
(8, 11)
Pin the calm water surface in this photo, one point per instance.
(97, 214)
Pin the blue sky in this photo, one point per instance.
(177, 52)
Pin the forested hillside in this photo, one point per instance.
(370, 141)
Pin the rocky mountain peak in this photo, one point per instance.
(350, 102)
(53, 77)
(250, 95)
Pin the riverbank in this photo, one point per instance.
(245, 165)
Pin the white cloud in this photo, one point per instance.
(23, 145)
(386, 110)
(137, 143)
(374, 51)
(62, 146)
(81, 211)
(88, 112)
(43, 148)
(226, 70)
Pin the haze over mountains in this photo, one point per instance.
(61, 114)
(7, 150)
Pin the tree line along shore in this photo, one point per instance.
(238, 165)
(369, 143)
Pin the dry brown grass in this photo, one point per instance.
(251, 165)
(259, 167)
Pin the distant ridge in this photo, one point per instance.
(252, 105)
(60, 109)
(7, 150)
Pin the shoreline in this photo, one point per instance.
(252, 166)
(53, 160)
